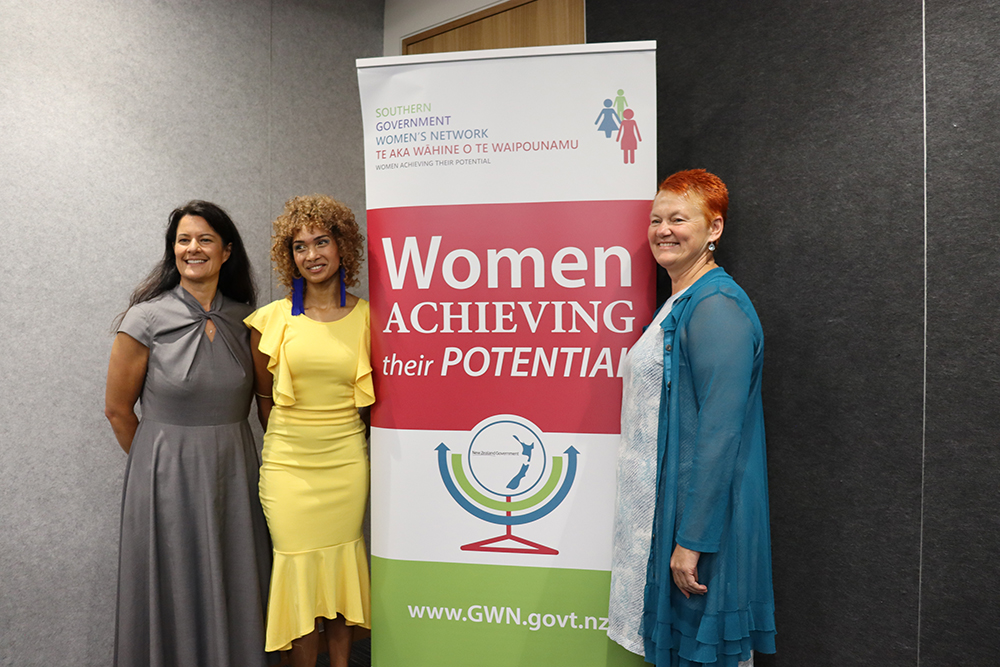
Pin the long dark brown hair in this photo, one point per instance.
(235, 278)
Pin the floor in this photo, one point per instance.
(361, 655)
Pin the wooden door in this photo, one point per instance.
(509, 24)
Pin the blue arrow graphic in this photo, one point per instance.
(504, 520)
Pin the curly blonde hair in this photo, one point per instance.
(318, 212)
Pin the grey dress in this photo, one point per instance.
(194, 559)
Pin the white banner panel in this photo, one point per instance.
(439, 129)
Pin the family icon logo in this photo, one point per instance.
(617, 116)
(507, 478)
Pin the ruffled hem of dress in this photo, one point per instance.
(721, 640)
(313, 584)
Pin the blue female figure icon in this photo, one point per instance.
(608, 120)
(628, 136)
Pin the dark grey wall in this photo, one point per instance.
(112, 113)
(884, 535)
(961, 566)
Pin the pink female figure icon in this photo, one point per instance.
(628, 136)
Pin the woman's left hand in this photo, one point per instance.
(684, 568)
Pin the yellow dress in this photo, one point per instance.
(314, 477)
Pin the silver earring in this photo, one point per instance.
(711, 246)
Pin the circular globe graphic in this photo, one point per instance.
(506, 458)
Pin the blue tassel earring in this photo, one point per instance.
(343, 287)
(298, 296)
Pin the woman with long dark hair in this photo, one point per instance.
(194, 556)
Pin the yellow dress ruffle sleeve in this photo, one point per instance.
(271, 321)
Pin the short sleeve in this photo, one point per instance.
(364, 389)
(271, 322)
(137, 325)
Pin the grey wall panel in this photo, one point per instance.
(316, 130)
(111, 114)
(961, 601)
(811, 112)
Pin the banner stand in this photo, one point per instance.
(508, 201)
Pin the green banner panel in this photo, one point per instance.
(461, 615)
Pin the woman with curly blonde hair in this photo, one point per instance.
(312, 377)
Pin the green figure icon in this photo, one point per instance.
(620, 102)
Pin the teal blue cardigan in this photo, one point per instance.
(711, 483)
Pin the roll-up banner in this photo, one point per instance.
(508, 201)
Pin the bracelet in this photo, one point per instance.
(262, 395)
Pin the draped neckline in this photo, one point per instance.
(195, 328)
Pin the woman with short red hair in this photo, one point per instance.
(691, 561)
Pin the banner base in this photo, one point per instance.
(528, 547)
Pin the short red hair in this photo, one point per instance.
(709, 188)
